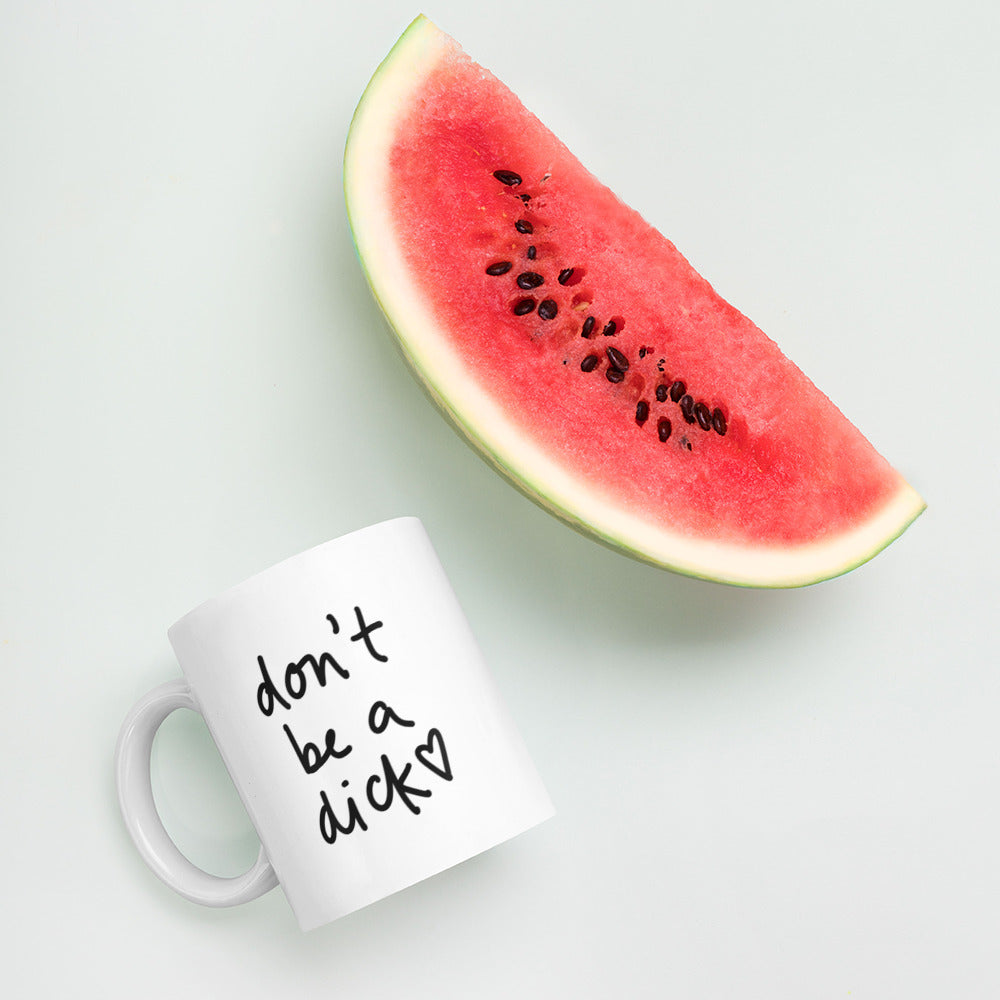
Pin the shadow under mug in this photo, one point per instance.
(354, 712)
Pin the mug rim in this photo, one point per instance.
(233, 591)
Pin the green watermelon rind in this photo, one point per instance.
(480, 422)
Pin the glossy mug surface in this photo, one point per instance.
(357, 718)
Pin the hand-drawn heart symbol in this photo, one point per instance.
(424, 751)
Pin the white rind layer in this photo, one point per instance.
(486, 426)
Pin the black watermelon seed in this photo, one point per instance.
(531, 253)
(565, 274)
(525, 198)
(617, 359)
(687, 408)
(704, 416)
(589, 363)
(641, 412)
(507, 177)
(609, 330)
(685, 443)
(547, 308)
(642, 352)
(588, 327)
(661, 393)
(500, 267)
(529, 279)
(524, 306)
(663, 428)
(719, 421)
(615, 375)
(677, 389)
(523, 226)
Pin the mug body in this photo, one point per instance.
(360, 725)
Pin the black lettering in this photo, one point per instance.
(309, 754)
(364, 632)
(380, 715)
(394, 784)
(329, 824)
(296, 670)
(331, 739)
(319, 668)
(267, 693)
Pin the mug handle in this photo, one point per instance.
(135, 796)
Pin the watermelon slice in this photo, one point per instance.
(582, 355)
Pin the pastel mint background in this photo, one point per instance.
(760, 795)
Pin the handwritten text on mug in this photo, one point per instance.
(388, 783)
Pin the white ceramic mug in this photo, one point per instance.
(354, 712)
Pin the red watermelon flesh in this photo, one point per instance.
(600, 371)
